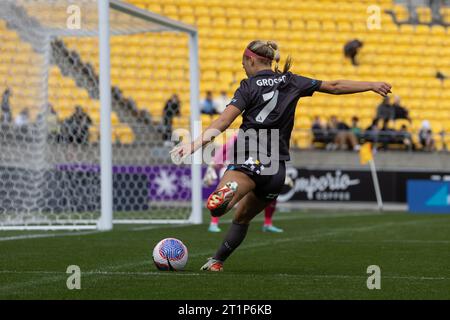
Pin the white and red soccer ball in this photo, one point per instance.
(170, 254)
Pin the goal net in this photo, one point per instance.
(50, 141)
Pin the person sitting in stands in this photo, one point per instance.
(344, 137)
(208, 105)
(385, 111)
(406, 138)
(426, 136)
(400, 112)
(319, 131)
(355, 128)
(22, 118)
(6, 116)
(351, 49)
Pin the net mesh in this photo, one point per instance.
(50, 117)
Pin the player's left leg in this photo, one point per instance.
(268, 213)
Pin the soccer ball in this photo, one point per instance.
(170, 254)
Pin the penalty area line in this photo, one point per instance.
(196, 274)
(47, 235)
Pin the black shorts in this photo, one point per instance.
(268, 187)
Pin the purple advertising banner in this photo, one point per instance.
(164, 182)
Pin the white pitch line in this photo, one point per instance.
(183, 273)
(165, 226)
(47, 235)
(112, 273)
(395, 241)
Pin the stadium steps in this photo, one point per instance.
(125, 108)
(85, 77)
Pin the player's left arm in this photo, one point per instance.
(208, 135)
(348, 87)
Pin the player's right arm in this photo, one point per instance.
(218, 126)
(348, 87)
(232, 111)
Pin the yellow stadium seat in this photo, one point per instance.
(188, 19)
(235, 22)
(201, 11)
(313, 25)
(424, 14)
(423, 29)
(203, 21)
(445, 12)
(250, 24)
(297, 25)
(267, 24)
(170, 9)
(282, 24)
(186, 10)
(401, 12)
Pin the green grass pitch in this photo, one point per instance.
(321, 255)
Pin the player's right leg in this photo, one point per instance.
(253, 202)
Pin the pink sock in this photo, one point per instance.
(268, 213)
(215, 220)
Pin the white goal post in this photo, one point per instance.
(83, 131)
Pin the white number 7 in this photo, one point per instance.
(273, 97)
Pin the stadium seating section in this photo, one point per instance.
(312, 31)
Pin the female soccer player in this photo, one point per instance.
(220, 161)
(267, 101)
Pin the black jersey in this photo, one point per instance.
(268, 101)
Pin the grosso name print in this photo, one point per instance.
(269, 82)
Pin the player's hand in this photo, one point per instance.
(180, 152)
(210, 176)
(382, 88)
(289, 181)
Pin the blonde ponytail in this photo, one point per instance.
(269, 50)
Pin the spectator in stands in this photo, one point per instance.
(208, 105)
(355, 128)
(317, 125)
(385, 111)
(222, 102)
(405, 138)
(53, 125)
(319, 131)
(22, 118)
(442, 134)
(344, 137)
(400, 112)
(171, 109)
(6, 107)
(351, 49)
(76, 127)
(386, 136)
(426, 136)
(440, 76)
(145, 117)
(372, 132)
